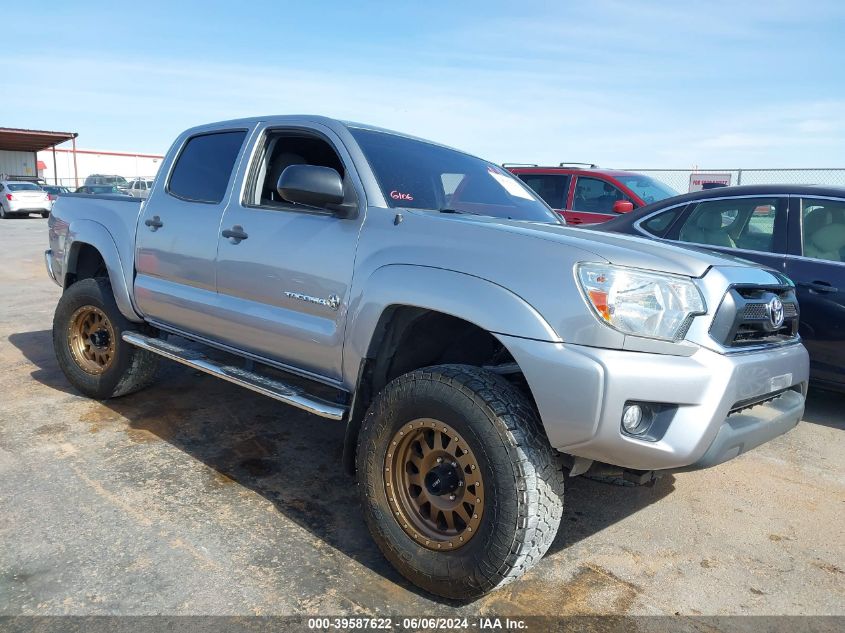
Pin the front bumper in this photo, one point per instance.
(581, 392)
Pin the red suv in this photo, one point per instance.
(589, 195)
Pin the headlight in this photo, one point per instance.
(641, 303)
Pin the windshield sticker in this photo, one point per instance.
(510, 185)
(398, 195)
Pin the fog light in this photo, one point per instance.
(632, 419)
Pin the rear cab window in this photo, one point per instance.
(204, 167)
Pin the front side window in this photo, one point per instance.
(552, 188)
(823, 229)
(593, 195)
(205, 165)
(746, 223)
(647, 188)
(280, 150)
(421, 175)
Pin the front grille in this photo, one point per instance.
(745, 316)
(755, 311)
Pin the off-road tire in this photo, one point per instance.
(131, 368)
(522, 474)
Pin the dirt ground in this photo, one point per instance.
(198, 497)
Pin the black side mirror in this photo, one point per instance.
(311, 185)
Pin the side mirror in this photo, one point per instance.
(311, 185)
(623, 206)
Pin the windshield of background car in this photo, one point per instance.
(23, 186)
(647, 188)
(419, 175)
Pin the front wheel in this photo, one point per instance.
(87, 330)
(460, 488)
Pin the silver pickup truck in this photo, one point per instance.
(474, 346)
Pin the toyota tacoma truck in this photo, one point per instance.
(475, 347)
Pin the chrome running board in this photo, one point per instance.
(252, 380)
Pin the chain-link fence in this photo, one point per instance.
(682, 180)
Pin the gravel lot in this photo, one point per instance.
(197, 497)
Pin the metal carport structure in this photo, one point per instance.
(17, 145)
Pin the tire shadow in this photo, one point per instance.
(293, 459)
(824, 407)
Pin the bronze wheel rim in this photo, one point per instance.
(434, 486)
(91, 339)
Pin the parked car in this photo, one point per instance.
(101, 190)
(23, 198)
(470, 342)
(54, 191)
(100, 179)
(139, 188)
(588, 195)
(798, 230)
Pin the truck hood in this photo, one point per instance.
(616, 248)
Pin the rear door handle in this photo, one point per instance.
(154, 223)
(236, 234)
(818, 286)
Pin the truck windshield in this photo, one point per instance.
(647, 188)
(419, 175)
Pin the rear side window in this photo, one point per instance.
(204, 166)
(551, 188)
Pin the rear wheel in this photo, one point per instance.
(460, 487)
(87, 330)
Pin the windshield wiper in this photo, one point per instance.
(457, 211)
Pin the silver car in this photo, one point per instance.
(23, 198)
(139, 188)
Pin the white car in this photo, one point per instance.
(23, 198)
(139, 188)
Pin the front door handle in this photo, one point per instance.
(236, 234)
(154, 223)
(818, 286)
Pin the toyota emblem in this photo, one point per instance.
(775, 310)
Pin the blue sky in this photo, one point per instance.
(625, 84)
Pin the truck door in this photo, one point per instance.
(178, 230)
(283, 270)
